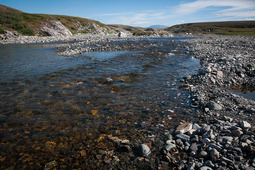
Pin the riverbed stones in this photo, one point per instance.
(183, 128)
(170, 146)
(220, 74)
(214, 106)
(226, 149)
(245, 125)
(183, 137)
(202, 154)
(214, 154)
(205, 168)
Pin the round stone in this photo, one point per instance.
(144, 150)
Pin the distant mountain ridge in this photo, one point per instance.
(158, 26)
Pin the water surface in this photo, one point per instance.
(55, 107)
(32, 61)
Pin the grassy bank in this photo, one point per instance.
(222, 28)
(30, 24)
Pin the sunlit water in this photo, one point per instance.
(58, 105)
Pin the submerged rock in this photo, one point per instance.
(184, 128)
(144, 150)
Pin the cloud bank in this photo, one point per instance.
(234, 8)
(195, 11)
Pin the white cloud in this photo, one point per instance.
(241, 8)
(195, 11)
(143, 18)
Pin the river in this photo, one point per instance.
(54, 106)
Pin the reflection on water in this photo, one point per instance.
(54, 107)
(32, 61)
(105, 55)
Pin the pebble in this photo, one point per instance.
(237, 132)
(209, 163)
(205, 168)
(245, 125)
(194, 147)
(170, 146)
(191, 166)
(144, 150)
(214, 106)
(183, 137)
(183, 128)
(202, 154)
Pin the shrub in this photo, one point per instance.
(18, 25)
(1, 30)
(27, 31)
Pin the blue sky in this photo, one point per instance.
(142, 12)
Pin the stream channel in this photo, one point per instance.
(53, 107)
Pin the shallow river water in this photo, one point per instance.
(56, 108)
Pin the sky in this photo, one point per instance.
(142, 13)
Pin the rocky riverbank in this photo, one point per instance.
(15, 38)
(224, 136)
(227, 65)
(218, 144)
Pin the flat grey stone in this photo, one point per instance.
(183, 137)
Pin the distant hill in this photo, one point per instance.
(125, 28)
(138, 31)
(45, 25)
(223, 28)
(157, 26)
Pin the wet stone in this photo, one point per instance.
(195, 138)
(183, 137)
(245, 125)
(214, 154)
(214, 106)
(50, 165)
(205, 168)
(194, 147)
(209, 163)
(170, 146)
(228, 161)
(183, 128)
(144, 150)
(226, 139)
(237, 132)
(191, 166)
(203, 154)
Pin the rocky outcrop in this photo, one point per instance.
(122, 34)
(55, 28)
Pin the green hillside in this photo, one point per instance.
(30, 24)
(223, 28)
